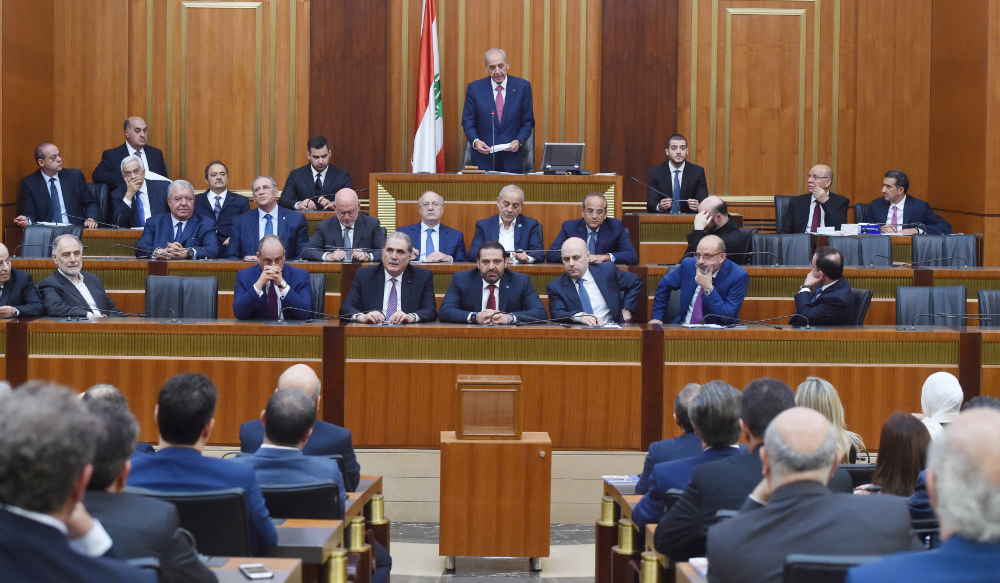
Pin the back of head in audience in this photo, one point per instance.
(116, 441)
(902, 454)
(799, 445)
(105, 393)
(715, 414)
(289, 418)
(185, 408)
(681, 404)
(982, 401)
(941, 401)
(818, 394)
(761, 402)
(301, 376)
(5, 389)
(47, 442)
(964, 477)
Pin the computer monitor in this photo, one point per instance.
(563, 158)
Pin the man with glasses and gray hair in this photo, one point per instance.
(179, 234)
(138, 200)
(434, 242)
(606, 237)
(793, 512)
(712, 287)
(69, 291)
(498, 111)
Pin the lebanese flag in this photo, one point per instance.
(428, 143)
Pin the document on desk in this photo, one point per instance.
(500, 148)
(715, 326)
(620, 479)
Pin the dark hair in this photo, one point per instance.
(289, 415)
(982, 402)
(902, 454)
(681, 403)
(115, 441)
(128, 124)
(39, 154)
(830, 262)
(186, 405)
(213, 163)
(715, 414)
(676, 137)
(901, 180)
(317, 143)
(489, 245)
(763, 399)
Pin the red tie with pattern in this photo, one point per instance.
(499, 103)
(815, 222)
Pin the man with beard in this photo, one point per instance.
(713, 219)
(490, 293)
(71, 292)
(393, 291)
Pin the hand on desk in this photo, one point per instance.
(656, 322)
(521, 256)
(626, 316)
(305, 205)
(337, 255)
(326, 203)
(7, 312)
(588, 320)
(21, 221)
(250, 258)
(377, 317)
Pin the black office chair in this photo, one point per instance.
(932, 250)
(780, 206)
(317, 284)
(862, 300)
(100, 192)
(319, 500)
(821, 568)
(912, 301)
(218, 519)
(529, 153)
(862, 213)
(989, 303)
(861, 474)
(746, 234)
(38, 239)
(670, 498)
(795, 249)
(864, 251)
(188, 297)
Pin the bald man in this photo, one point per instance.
(793, 512)
(592, 294)
(326, 439)
(712, 287)
(349, 236)
(109, 170)
(817, 208)
(713, 219)
(18, 295)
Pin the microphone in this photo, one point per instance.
(527, 321)
(321, 314)
(746, 322)
(913, 325)
(776, 264)
(108, 256)
(104, 311)
(782, 318)
(37, 245)
(493, 126)
(113, 226)
(664, 195)
(965, 264)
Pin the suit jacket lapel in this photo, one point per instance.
(518, 231)
(68, 286)
(96, 294)
(46, 196)
(7, 290)
(503, 291)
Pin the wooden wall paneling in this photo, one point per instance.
(842, 155)
(395, 93)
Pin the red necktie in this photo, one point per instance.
(491, 301)
(499, 103)
(815, 221)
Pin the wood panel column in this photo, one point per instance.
(651, 425)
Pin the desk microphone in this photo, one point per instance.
(527, 321)
(47, 245)
(749, 323)
(120, 313)
(662, 194)
(113, 226)
(913, 325)
(776, 263)
(493, 126)
(965, 264)
(108, 256)
(321, 315)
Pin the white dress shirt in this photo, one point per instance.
(321, 174)
(95, 543)
(63, 217)
(84, 291)
(262, 222)
(597, 302)
(506, 238)
(221, 199)
(145, 163)
(694, 298)
(143, 195)
(435, 237)
(813, 206)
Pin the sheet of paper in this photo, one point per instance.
(500, 147)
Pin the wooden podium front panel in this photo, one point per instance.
(990, 382)
(495, 496)
(581, 386)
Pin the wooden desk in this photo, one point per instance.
(312, 541)
(285, 570)
(660, 238)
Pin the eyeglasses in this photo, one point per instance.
(818, 177)
(706, 256)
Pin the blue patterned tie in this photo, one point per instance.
(429, 246)
(139, 207)
(584, 297)
(177, 231)
(56, 206)
(393, 303)
(269, 227)
(676, 208)
(218, 206)
(592, 243)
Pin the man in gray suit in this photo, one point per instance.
(792, 511)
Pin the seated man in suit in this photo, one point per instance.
(688, 444)
(179, 234)
(312, 186)
(139, 200)
(592, 294)
(898, 212)
(513, 230)
(185, 415)
(393, 291)
(832, 304)
(349, 236)
(725, 484)
(792, 511)
(817, 208)
(219, 205)
(150, 158)
(606, 237)
(676, 186)
(709, 284)
(267, 219)
(18, 295)
(963, 479)
(713, 219)
(498, 110)
(55, 194)
(140, 526)
(47, 442)
(272, 289)
(69, 291)
(438, 243)
(715, 415)
(326, 439)
(491, 294)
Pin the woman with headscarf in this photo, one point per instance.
(941, 401)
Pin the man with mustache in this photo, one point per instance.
(490, 293)
(71, 292)
(393, 292)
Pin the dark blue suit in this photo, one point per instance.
(197, 234)
(527, 235)
(834, 306)
(109, 171)
(247, 305)
(416, 296)
(687, 445)
(515, 295)
(674, 475)
(517, 123)
(957, 560)
(291, 228)
(36, 201)
(127, 217)
(275, 467)
(450, 241)
(234, 206)
(326, 439)
(564, 299)
(914, 211)
(920, 502)
(730, 288)
(611, 238)
(181, 469)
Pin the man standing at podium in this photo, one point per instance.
(676, 186)
(498, 111)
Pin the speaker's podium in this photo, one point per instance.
(495, 480)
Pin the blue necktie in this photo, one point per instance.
(676, 208)
(56, 206)
(429, 246)
(268, 228)
(584, 298)
(177, 231)
(138, 207)
(218, 206)
(592, 243)
(815, 295)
